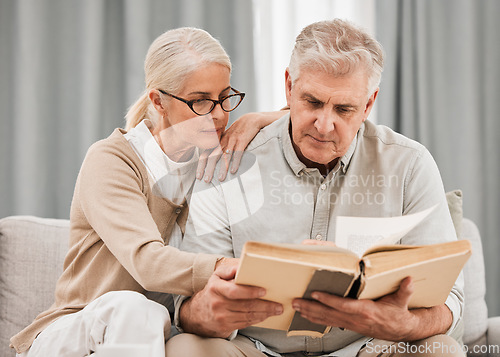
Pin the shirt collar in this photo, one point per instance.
(293, 161)
(152, 154)
(346, 159)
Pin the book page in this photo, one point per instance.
(357, 234)
(430, 289)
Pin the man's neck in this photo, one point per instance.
(323, 169)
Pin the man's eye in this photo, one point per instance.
(344, 110)
(314, 103)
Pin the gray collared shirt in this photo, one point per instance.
(274, 197)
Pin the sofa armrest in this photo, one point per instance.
(32, 250)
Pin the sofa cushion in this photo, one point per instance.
(454, 199)
(475, 321)
(32, 248)
(475, 311)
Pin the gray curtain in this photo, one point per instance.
(441, 86)
(69, 69)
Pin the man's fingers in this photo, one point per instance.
(223, 285)
(318, 242)
(235, 317)
(233, 291)
(254, 307)
(251, 317)
(404, 292)
(317, 313)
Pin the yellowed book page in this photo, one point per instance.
(319, 255)
(432, 280)
(383, 258)
(283, 281)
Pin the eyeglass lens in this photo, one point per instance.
(203, 107)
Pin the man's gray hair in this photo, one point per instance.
(337, 47)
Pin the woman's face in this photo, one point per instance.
(210, 81)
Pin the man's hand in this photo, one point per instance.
(223, 306)
(387, 318)
(318, 242)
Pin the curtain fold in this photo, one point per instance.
(70, 69)
(441, 86)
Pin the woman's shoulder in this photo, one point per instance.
(115, 144)
(114, 150)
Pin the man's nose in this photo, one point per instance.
(325, 122)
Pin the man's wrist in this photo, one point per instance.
(426, 322)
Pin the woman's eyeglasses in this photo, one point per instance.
(205, 106)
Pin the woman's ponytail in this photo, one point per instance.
(138, 111)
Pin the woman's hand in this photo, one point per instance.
(233, 142)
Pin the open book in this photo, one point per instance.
(288, 271)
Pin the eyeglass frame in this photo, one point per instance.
(190, 103)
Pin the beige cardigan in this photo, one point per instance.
(118, 240)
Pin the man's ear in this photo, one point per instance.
(154, 96)
(370, 103)
(288, 87)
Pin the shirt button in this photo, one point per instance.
(323, 187)
(177, 210)
(319, 237)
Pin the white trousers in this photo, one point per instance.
(117, 317)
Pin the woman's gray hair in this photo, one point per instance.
(170, 58)
(337, 47)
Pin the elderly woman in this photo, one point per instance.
(129, 206)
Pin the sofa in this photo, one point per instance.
(32, 251)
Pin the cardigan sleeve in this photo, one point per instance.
(112, 191)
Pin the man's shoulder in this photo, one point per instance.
(382, 135)
(265, 147)
(269, 133)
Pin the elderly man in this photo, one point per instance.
(322, 160)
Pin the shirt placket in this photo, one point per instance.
(321, 216)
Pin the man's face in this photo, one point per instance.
(326, 112)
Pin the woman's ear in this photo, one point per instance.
(155, 97)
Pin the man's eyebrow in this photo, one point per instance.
(346, 105)
(310, 96)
